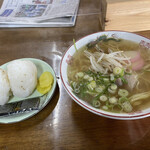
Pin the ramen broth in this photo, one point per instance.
(79, 69)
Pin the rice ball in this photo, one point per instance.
(4, 87)
(22, 76)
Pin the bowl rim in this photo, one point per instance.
(123, 117)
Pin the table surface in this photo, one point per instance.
(128, 15)
(63, 124)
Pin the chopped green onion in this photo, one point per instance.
(96, 103)
(100, 88)
(109, 105)
(76, 90)
(92, 93)
(113, 87)
(86, 77)
(123, 80)
(74, 42)
(106, 80)
(105, 107)
(97, 96)
(103, 98)
(113, 100)
(123, 93)
(80, 74)
(90, 79)
(111, 91)
(92, 85)
(127, 73)
(74, 84)
(118, 71)
(127, 107)
(112, 78)
(123, 99)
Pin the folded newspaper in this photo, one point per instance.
(38, 13)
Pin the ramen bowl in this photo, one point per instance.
(67, 59)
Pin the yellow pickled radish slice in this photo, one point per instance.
(45, 82)
(43, 90)
(46, 79)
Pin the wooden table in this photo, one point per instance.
(128, 15)
(63, 124)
